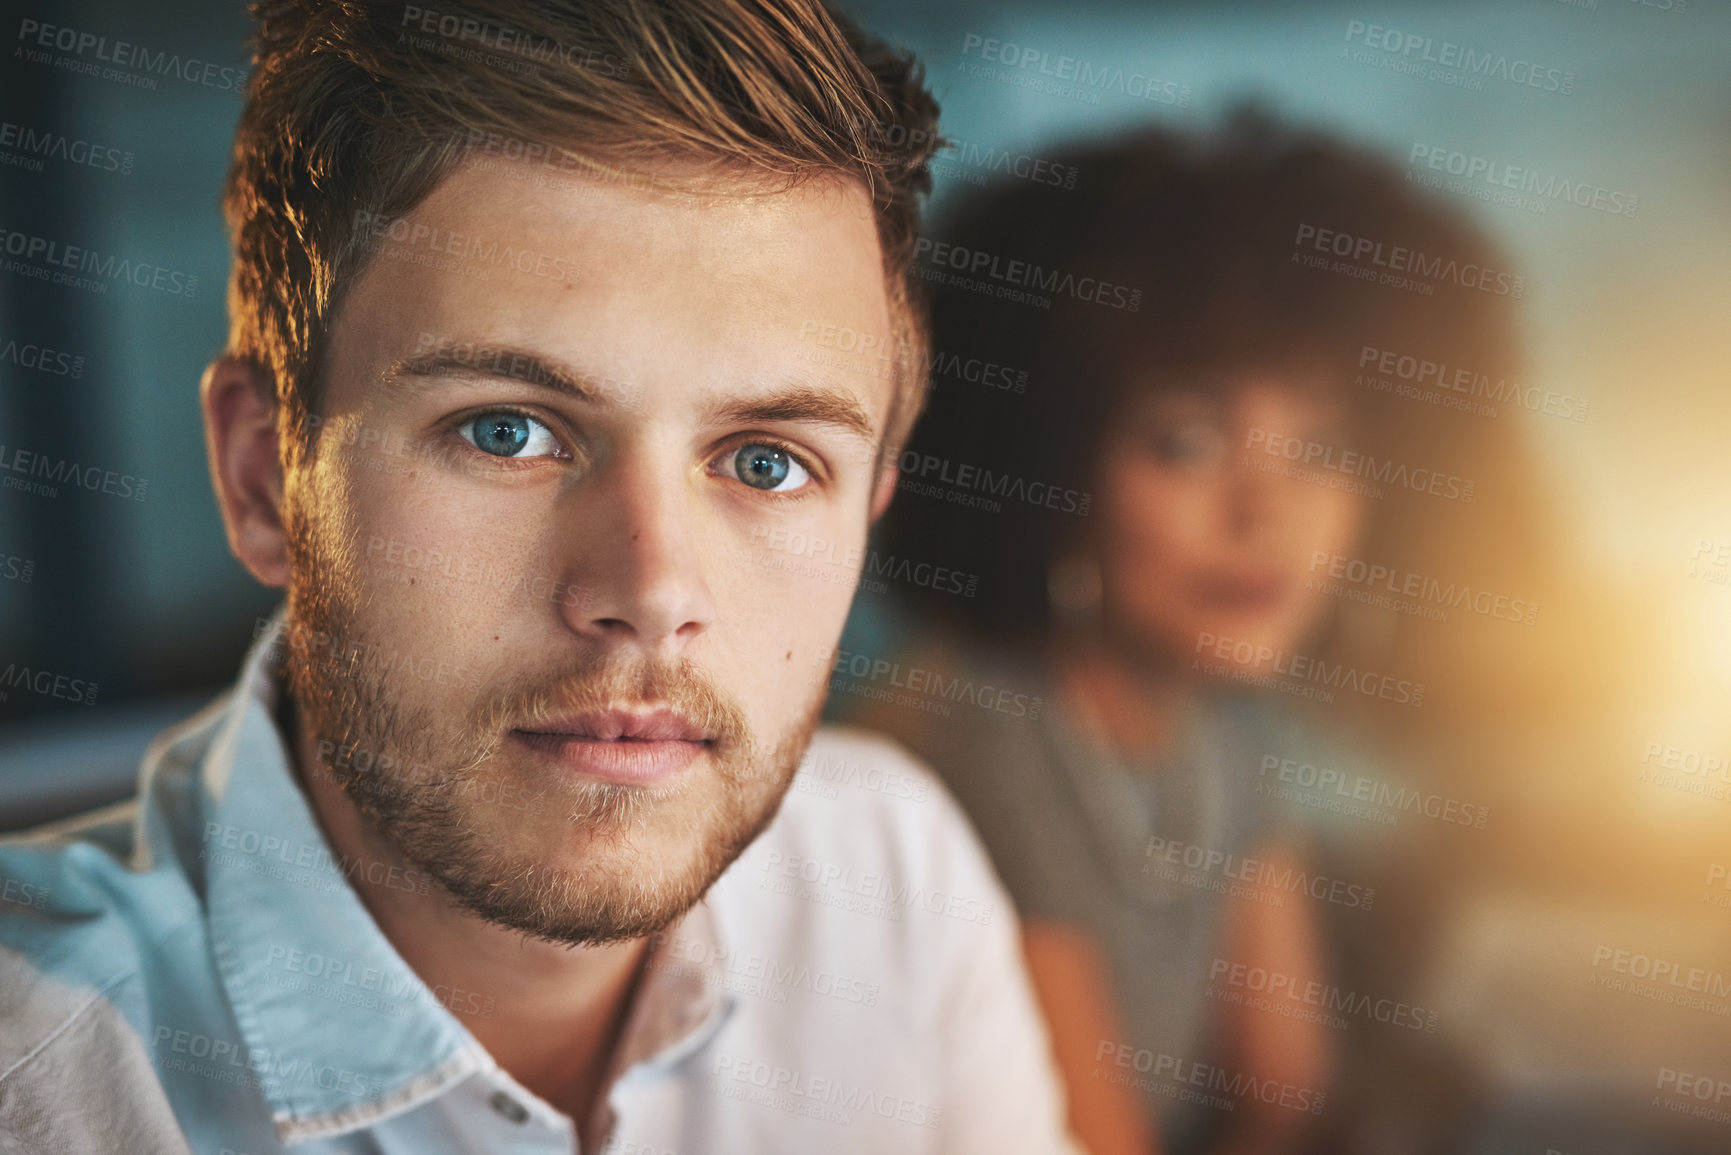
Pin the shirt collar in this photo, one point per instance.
(340, 1032)
(677, 1008)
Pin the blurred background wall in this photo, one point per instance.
(1610, 801)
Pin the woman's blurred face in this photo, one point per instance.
(1197, 544)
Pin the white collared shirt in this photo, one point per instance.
(194, 971)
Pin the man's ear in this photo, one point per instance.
(886, 489)
(240, 431)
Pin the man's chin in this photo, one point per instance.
(590, 864)
(593, 890)
(576, 847)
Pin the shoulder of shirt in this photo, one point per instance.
(84, 901)
(861, 779)
(865, 817)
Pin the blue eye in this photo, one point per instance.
(507, 434)
(768, 467)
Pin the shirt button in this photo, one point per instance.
(509, 1107)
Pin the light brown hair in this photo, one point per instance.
(356, 112)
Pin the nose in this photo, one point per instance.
(1255, 497)
(635, 555)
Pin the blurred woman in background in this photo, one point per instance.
(1191, 622)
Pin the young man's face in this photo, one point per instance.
(559, 420)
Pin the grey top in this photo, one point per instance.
(1070, 828)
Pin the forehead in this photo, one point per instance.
(1236, 392)
(672, 290)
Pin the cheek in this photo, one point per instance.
(1154, 520)
(781, 603)
(439, 561)
(1333, 524)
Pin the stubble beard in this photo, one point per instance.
(624, 861)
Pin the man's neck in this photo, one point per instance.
(550, 1015)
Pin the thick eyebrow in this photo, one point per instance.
(810, 404)
(503, 364)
